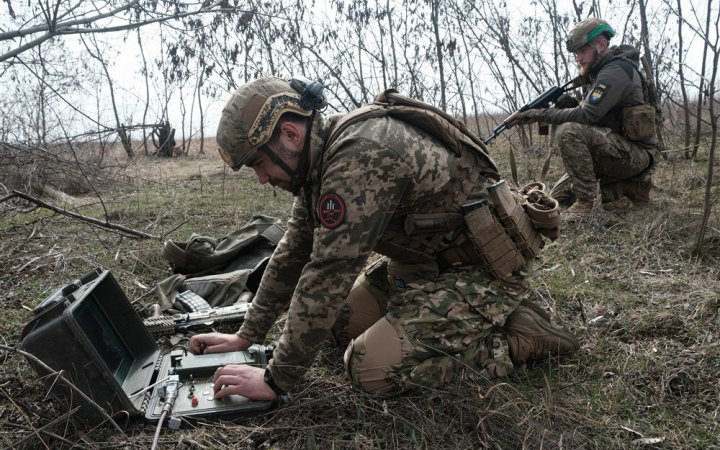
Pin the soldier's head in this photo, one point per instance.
(264, 125)
(588, 41)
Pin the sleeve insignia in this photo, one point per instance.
(331, 210)
(598, 93)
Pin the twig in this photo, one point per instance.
(92, 220)
(34, 430)
(67, 382)
(44, 431)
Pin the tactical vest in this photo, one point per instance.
(441, 232)
(635, 122)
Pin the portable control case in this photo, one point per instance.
(89, 330)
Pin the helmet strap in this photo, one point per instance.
(299, 180)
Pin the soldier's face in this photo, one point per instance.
(586, 56)
(269, 172)
(288, 148)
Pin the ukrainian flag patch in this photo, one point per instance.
(598, 93)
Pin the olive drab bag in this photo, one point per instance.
(220, 270)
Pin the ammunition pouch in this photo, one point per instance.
(519, 226)
(501, 234)
(508, 235)
(495, 247)
(638, 122)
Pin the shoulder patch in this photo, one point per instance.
(331, 210)
(598, 92)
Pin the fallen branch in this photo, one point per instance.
(67, 382)
(97, 222)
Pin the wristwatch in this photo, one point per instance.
(267, 377)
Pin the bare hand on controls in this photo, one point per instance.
(242, 380)
(217, 343)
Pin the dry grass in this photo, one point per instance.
(644, 308)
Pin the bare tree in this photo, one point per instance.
(650, 78)
(93, 49)
(713, 46)
(683, 90)
(701, 88)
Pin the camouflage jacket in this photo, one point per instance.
(375, 173)
(614, 84)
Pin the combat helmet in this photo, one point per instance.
(250, 116)
(586, 31)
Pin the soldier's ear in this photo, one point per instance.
(293, 134)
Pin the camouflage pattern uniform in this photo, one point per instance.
(444, 316)
(590, 137)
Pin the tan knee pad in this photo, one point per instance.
(369, 358)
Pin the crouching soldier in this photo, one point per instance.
(442, 299)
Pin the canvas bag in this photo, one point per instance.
(220, 270)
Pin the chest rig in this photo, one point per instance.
(437, 230)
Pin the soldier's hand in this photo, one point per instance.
(217, 343)
(526, 117)
(565, 101)
(244, 380)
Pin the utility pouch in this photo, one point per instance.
(639, 122)
(544, 212)
(516, 221)
(496, 248)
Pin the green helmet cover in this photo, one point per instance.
(586, 31)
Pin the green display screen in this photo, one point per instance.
(104, 337)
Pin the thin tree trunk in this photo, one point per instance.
(714, 127)
(435, 18)
(392, 44)
(147, 94)
(698, 117)
(650, 80)
(681, 73)
(121, 131)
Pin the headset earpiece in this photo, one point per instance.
(311, 93)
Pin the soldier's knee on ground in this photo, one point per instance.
(369, 358)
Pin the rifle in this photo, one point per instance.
(543, 101)
(183, 322)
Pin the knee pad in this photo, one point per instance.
(370, 358)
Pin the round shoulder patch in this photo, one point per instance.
(331, 210)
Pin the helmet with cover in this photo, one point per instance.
(249, 117)
(586, 31)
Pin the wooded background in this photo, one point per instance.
(68, 80)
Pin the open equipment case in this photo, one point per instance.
(89, 330)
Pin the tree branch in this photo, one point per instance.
(97, 222)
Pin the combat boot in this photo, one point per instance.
(638, 188)
(578, 211)
(531, 335)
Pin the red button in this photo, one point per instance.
(194, 401)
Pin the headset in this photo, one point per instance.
(311, 93)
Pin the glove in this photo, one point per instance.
(527, 117)
(565, 101)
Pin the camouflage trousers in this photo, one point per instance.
(595, 154)
(427, 332)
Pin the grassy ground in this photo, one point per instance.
(645, 309)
